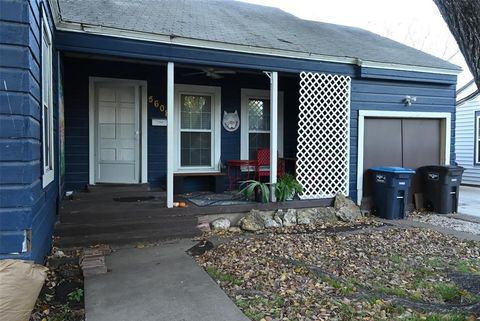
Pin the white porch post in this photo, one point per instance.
(170, 132)
(273, 132)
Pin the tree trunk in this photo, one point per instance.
(463, 19)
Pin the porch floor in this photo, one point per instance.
(110, 214)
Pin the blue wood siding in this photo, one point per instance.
(381, 94)
(25, 207)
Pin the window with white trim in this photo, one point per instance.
(477, 138)
(47, 103)
(255, 123)
(198, 119)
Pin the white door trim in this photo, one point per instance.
(445, 140)
(142, 86)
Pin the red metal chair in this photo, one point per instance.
(262, 165)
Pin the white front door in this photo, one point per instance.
(117, 133)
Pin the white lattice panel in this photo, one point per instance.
(323, 135)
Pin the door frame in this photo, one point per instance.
(143, 147)
(445, 139)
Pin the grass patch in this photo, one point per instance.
(438, 317)
(471, 266)
(254, 307)
(222, 277)
(392, 291)
(436, 262)
(396, 258)
(345, 289)
(446, 291)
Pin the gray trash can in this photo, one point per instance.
(441, 185)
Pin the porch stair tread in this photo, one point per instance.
(81, 235)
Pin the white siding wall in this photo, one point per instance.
(464, 140)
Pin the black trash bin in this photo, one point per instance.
(390, 191)
(441, 184)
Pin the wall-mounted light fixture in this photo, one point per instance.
(409, 100)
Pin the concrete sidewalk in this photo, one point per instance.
(469, 201)
(160, 283)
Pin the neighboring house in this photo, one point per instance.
(86, 86)
(467, 133)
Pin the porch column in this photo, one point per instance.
(170, 133)
(273, 132)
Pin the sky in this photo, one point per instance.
(416, 23)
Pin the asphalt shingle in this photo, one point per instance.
(233, 22)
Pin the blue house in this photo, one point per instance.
(142, 92)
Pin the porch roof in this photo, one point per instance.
(231, 25)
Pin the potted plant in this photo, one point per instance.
(255, 190)
(287, 187)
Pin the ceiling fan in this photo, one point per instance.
(212, 73)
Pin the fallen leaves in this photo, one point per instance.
(407, 263)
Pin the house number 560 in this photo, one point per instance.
(156, 104)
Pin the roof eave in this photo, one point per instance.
(198, 43)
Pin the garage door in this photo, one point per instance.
(400, 142)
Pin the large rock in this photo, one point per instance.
(222, 224)
(269, 220)
(289, 217)
(252, 222)
(305, 216)
(318, 215)
(345, 209)
(326, 215)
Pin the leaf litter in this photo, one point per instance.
(384, 274)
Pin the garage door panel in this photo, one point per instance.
(421, 146)
(382, 147)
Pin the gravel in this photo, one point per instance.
(449, 222)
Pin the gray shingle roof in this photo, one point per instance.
(232, 22)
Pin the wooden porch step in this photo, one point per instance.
(72, 235)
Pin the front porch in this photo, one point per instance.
(127, 214)
(117, 129)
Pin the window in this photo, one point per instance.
(477, 138)
(198, 120)
(255, 122)
(196, 130)
(47, 103)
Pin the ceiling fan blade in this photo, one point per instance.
(194, 73)
(225, 72)
(214, 76)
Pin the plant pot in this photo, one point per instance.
(258, 195)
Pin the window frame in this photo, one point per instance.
(48, 170)
(246, 95)
(476, 139)
(215, 94)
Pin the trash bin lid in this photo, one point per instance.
(442, 168)
(396, 170)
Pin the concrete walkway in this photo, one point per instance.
(469, 202)
(160, 283)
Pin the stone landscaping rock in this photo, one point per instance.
(234, 229)
(326, 215)
(306, 216)
(290, 218)
(222, 224)
(318, 215)
(346, 209)
(252, 222)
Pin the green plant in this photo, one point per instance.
(223, 277)
(287, 187)
(75, 295)
(253, 188)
